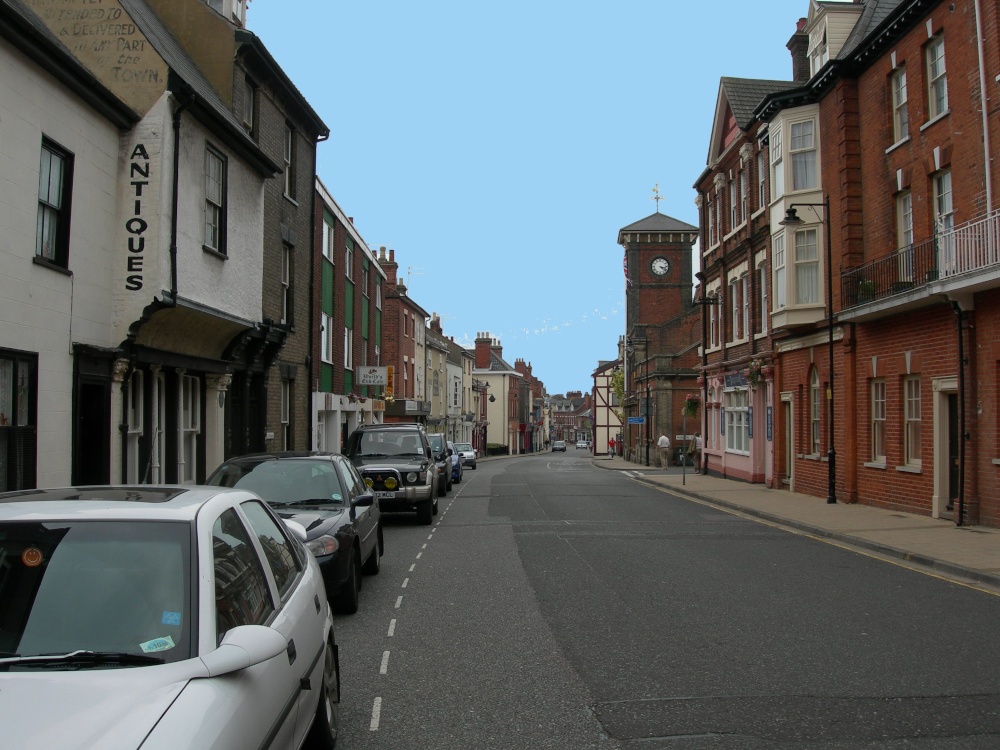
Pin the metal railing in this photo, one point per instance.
(973, 246)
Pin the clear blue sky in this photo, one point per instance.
(499, 147)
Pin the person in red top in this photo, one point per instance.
(611, 446)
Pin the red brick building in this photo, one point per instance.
(880, 217)
(662, 331)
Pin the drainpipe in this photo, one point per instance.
(983, 106)
(174, 200)
(960, 317)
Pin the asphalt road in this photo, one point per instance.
(556, 605)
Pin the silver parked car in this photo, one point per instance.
(161, 617)
(469, 454)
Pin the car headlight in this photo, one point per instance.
(411, 477)
(323, 545)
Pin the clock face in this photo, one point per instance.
(660, 266)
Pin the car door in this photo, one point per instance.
(264, 708)
(365, 517)
(299, 617)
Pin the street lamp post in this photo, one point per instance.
(791, 220)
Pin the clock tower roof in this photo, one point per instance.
(656, 222)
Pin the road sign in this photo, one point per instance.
(636, 420)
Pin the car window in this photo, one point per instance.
(242, 596)
(277, 548)
(464, 446)
(351, 479)
(96, 586)
(284, 481)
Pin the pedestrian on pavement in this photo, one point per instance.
(695, 452)
(663, 445)
(611, 446)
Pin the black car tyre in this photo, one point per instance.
(458, 479)
(374, 562)
(346, 600)
(425, 513)
(326, 726)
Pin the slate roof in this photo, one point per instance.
(744, 94)
(659, 223)
(184, 68)
(875, 12)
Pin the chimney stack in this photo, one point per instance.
(798, 45)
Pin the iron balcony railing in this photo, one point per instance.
(971, 247)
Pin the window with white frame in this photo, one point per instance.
(734, 204)
(777, 165)
(328, 238)
(718, 216)
(911, 420)
(286, 401)
(744, 199)
(187, 469)
(745, 299)
(806, 267)
(761, 180)
(878, 421)
(364, 278)
(349, 258)
(734, 309)
(762, 310)
(904, 220)
(711, 223)
(348, 349)
(286, 284)
(803, 154)
(249, 106)
(215, 200)
(814, 412)
(55, 181)
(288, 153)
(900, 111)
(937, 81)
(326, 338)
(713, 322)
(737, 404)
(378, 292)
(778, 255)
(944, 221)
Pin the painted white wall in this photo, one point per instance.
(232, 285)
(42, 310)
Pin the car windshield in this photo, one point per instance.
(437, 444)
(383, 444)
(464, 446)
(283, 482)
(94, 594)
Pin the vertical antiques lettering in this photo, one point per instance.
(136, 226)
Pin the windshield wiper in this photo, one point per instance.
(82, 658)
(315, 501)
(374, 455)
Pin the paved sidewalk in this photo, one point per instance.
(970, 552)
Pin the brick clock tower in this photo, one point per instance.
(662, 331)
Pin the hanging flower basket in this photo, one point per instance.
(755, 372)
(691, 403)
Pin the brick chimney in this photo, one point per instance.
(798, 45)
(483, 342)
(388, 265)
(436, 324)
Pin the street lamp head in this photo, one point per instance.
(791, 218)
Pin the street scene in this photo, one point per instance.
(543, 450)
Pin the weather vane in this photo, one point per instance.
(656, 196)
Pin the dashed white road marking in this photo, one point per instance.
(392, 628)
(411, 568)
(424, 547)
(384, 667)
(406, 581)
(419, 554)
(376, 713)
(399, 602)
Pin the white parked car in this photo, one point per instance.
(161, 617)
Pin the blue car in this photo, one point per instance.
(457, 462)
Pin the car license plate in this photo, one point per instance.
(385, 495)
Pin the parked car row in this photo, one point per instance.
(175, 590)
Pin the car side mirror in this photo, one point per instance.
(363, 501)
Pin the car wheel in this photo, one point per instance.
(346, 600)
(425, 514)
(326, 726)
(374, 562)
